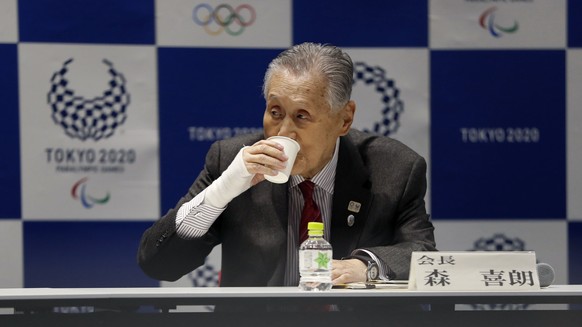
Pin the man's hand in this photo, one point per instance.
(348, 271)
(266, 157)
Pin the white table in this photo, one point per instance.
(287, 306)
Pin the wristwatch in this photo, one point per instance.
(372, 271)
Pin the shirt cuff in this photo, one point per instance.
(194, 217)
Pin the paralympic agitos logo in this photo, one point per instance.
(224, 18)
(79, 192)
(487, 22)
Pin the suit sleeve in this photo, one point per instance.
(162, 253)
(413, 230)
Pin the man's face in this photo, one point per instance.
(297, 108)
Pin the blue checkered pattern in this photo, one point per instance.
(497, 133)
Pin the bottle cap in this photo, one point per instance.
(315, 226)
(315, 229)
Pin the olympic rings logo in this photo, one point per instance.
(225, 16)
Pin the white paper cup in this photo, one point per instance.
(291, 148)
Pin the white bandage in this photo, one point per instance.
(234, 180)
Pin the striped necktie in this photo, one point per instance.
(310, 211)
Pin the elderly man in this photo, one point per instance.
(369, 189)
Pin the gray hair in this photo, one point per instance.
(327, 61)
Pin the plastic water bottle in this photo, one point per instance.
(315, 255)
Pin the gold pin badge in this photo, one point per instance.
(354, 206)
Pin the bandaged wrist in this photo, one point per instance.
(234, 180)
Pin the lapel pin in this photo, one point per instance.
(354, 206)
(351, 220)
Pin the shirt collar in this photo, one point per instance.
(324, 179)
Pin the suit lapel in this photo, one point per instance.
(351, 199)
(279, 200)
(272, 200)
(278, 193)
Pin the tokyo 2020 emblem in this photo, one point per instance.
(391, 106)
(499, 242)
(88, 118)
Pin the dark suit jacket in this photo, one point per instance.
(385, 176)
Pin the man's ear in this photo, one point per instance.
(347, 116)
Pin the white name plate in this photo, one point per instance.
(473, 271)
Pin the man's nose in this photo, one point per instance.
(288, 128)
